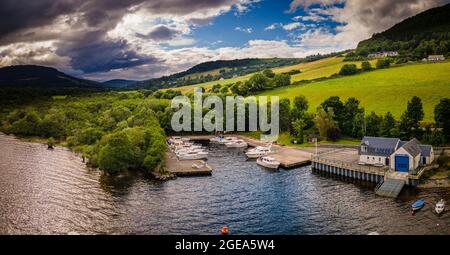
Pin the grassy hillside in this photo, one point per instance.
(381, 90)
(317, 69)
(309, 71)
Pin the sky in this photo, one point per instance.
(137, 39)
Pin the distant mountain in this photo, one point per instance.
(119, 83)
(415, 37)
(40, 77)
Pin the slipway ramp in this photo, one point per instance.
(390, 188)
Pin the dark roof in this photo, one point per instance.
(381, 146)
(412, 147)
(425, 149)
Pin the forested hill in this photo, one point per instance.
(40, 77)
(215, 70)
(415, 37)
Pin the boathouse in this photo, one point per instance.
(400, 156)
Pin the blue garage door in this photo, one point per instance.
(401, 163)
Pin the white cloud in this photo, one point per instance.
(272, 26)
(247, 30)
(292, 26)
(359, 18)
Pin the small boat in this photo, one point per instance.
(258, 152)
(440, 206)
(268, 162)
(217, 139)
(191, 154)
(418, 205)
(236, 144)
(226, 140)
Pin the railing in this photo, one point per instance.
(380, 183)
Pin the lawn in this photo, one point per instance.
(380, 90)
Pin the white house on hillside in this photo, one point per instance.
(436, 58)
(383, 54)
(401, 156)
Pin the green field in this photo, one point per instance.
(309, 71)
(317, 69)
(381, 90)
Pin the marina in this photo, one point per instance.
(82, 200)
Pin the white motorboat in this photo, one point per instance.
(226, 140)
(440, 206)
(268, 162)
(236, 144)
(189, 155)
(259, 152)
(217, 139)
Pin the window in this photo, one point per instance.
(379, 159)
(364, 148)
(367, 158)
(373, 158)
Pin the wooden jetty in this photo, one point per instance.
(186, 167)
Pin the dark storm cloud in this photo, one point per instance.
(89, 50)
(160, 33)
(19, 15)
(103, 56)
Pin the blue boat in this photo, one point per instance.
(418, 204)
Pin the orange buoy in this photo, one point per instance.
(224, 230)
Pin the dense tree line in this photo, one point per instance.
(114, 131)
(334, 119)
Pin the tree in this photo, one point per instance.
(117, 154)
(352, 108)
(216, 88)
(348, 69)
(281, 80)
(300, 107)
(383, 63)
(28, 125)
(442, 116)
(298, 128)
(324, 120)
(224, 90)
(258, 82)
(333, 134)
(268, 73)
(53, 125)
(387, 125)
(373, 122)
(336, 104)
(412, 116)
(359, 126)
(285, 114)
(366, 66)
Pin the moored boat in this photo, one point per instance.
(419, 204)
(188, 155)
(259, 152)
(268, 162)
(440, 206)
(236, 144)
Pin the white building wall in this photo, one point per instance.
(372, 160)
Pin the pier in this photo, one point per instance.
(344, 162)
(287, 156)
(186, 167)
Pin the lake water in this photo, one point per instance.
(52, 192)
